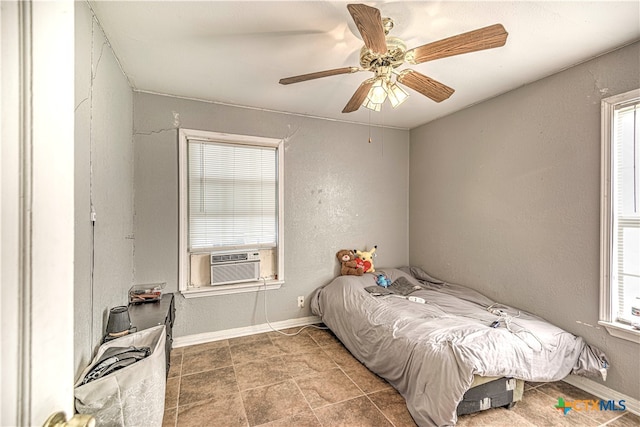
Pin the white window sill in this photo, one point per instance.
(621, 330)
(236, 288)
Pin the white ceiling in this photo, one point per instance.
(235, 52)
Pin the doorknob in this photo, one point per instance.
(59, 419)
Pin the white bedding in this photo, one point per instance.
(430, 352)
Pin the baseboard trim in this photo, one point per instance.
(603, 392)
(244, 331)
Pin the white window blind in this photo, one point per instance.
(233, 195)
(626, 211)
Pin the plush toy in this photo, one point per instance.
(382, 280)
(349, 265)
(365, 259)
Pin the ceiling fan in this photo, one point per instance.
(383, 54)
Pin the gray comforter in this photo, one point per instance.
(431, 351)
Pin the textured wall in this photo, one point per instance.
(340, 192)
(104, 178)
(505, 197)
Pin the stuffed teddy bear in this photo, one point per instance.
(364, 259)
(348, 263)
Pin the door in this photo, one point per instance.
(36, 227)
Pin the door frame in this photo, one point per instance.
(37, 219)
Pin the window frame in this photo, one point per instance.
(184, 136)
(606, 313)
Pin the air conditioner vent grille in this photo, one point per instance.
(234, 267)
(229, 257)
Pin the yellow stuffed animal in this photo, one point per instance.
(364, 259)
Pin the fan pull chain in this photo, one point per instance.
(382, 129)
(369, 126)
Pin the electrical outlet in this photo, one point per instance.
(300, 301)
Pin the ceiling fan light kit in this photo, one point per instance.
(383, 54)
(382, 89)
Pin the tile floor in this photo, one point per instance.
(311, 380)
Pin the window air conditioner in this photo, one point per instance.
(234, 267)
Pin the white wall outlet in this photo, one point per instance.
(300, 301)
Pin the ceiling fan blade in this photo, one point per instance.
(369, 23)
(425, 85)
(480, 39)
(359, 96)
(317, 75)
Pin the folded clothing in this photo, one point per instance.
(401, 286)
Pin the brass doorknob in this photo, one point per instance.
(59, 419)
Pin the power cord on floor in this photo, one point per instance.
(264, 281)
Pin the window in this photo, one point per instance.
(230, 205)
(620, 216)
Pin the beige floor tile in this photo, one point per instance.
(302, 364)
(365, 379)
(169, 418)
(626, 420)
(205, 347)
(249, 351)
(296, 330)
(255, 338)
(339, 354)
(304, 419)
(497, 417)
(562, 389)
(261, 372)
(323, 337)
(539, 409)
(273, 402)
(205, 360)
(326, 388)
(358, 412)
(207, 385)
(301, 343)
(175, 369)
(529, 385)
(224, 411)
(175, 351)
(570, 393)
(393, 406)
(171, 393)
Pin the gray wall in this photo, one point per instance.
(340, 192)
(104, 177)
(505, 197)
